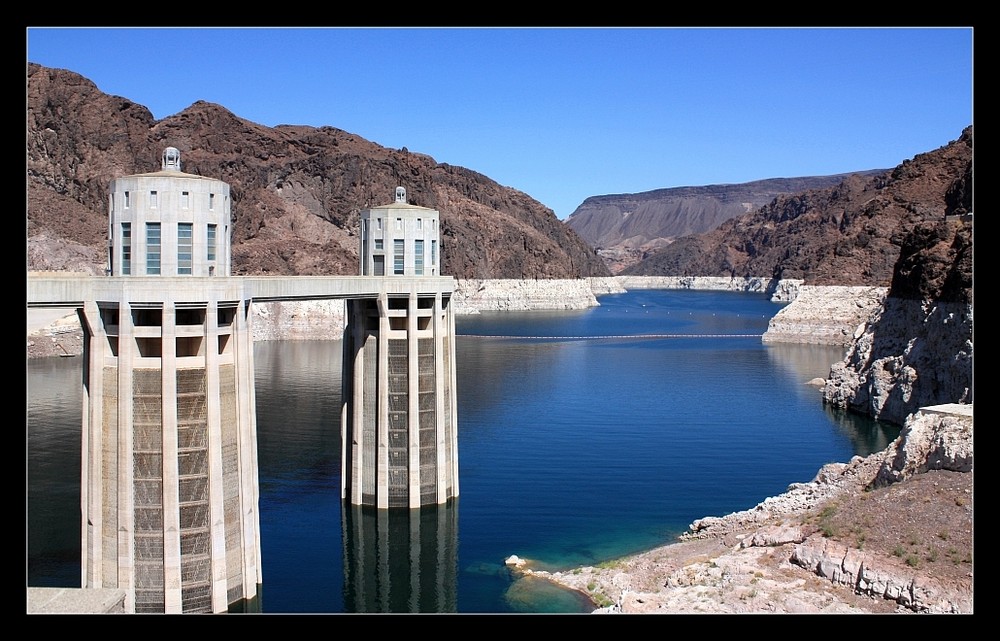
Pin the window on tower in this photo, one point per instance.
(126, 249)
(397, 256)
(153, 248)
(185, 233)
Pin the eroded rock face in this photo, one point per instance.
(472, 296)
(299, 320)
(917, 351)
(928, 441)
(870, 576)
(825, 315)
(912, 354)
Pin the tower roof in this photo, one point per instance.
(170, 165)
(400, 203)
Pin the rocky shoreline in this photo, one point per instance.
(891, 532)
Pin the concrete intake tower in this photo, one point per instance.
(170, 491)
(399, 433)
(169, 477)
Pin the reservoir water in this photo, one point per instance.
(583, 436)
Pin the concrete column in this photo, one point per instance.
(348, 358)
(413, 401)
(171, 499)
(354, 449)
(91, 498)
(440, 431)
(217, 498)
(247, 447)
(453, 391)
(382, 439)
(125, 473)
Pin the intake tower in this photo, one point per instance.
(169, 477)
(399, 423)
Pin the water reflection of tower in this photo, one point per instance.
(169, 477)
(400, 560)
(399, 423)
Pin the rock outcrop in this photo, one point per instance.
(299, 320)
(917, 350)
(869, 576)
(825, 315)
(474, 295)
(935, 438)
(746, 284)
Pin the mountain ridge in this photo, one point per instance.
(625, 228)
(849, 234)
(296, 190)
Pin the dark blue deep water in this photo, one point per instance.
(583, 436)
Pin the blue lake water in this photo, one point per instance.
(583, 436)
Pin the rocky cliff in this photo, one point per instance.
(850, 234)
(296, 190)
(917, 350)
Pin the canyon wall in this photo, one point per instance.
(917, 349)
(910, 355)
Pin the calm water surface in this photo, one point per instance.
(583, 436)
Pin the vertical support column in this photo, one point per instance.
(452, 391)
(172, 579)
(440, 420)
(216, 485)
(247, 445)
(382, 438)
(125, 474)
(352, 448)
(91, 504)
(413, 401)
(348, 401)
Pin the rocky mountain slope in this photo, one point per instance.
(625, 228)
(917, 349)
(296, 190)
(850, 234)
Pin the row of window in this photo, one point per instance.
(185, 200)
(399, 223)
(185, 247)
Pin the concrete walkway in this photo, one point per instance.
(75, 601)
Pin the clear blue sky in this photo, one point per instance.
(564, 113)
